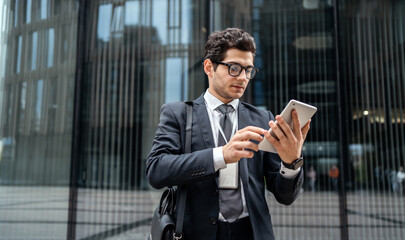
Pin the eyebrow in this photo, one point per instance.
(240, 64)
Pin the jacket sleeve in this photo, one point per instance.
(167, 164)
(285, 190)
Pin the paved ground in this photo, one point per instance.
(41, 213)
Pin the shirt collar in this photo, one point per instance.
(213, 102)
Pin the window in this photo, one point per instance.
(28, 11)
(36, 103)
(44, 9)
(23, 104)
(34, 50)
(18, 53)
(15, 13)
(103, 23)
(51, 45)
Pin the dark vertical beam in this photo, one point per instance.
(209, 27)
(343, 144)
(75, 152)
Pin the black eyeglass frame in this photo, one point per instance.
(241, 68)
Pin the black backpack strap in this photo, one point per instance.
(178, 234)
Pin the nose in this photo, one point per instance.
(242, 75)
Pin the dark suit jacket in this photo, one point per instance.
(168, 166)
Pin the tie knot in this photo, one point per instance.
(224, 108)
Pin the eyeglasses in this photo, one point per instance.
(235, 69)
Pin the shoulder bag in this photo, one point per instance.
(164, 224)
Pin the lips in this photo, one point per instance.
(238, 87)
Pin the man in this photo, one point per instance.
(226, 175)
(312, 178)
(334, 175)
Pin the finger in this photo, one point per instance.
(305, 129)
(246, 145)
(296, 124)
(245, 136)
(236, 155)
(284, 126)
(272, 139)
(245, 154)
(277, 131)
(252, 129)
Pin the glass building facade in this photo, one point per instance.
(82, 83)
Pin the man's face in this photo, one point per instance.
(224, 86)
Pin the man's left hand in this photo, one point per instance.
(290, 141)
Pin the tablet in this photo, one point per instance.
(305, 112)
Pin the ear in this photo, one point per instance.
(208, 68)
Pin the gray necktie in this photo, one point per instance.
(230, 200)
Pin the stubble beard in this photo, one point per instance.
(223, 93)
(221, 90)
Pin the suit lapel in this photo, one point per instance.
(243, 121)
(203, 121)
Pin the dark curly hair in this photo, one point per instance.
(221, 41)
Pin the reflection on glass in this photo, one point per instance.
(103, 23)
(34, 50)
(16, 13)
(44, 9)
(18, 58)
(50, 46)
(174, 19)
(65, 43)
(23, 96)
(35, 133)
(185, 23)
(159, 19)
(159, 61)
(52, 105)
(9, 115)
(117, 23)
(173, 85)
(28, 11)
(57, 7)
(37, 105)
(131, 13)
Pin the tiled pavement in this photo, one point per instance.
(42, 213)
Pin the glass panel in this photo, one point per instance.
(57, 7)
(23, 104)
(51, 45)
(28, 11)
(34, 50)
(174, 82)
(138, 55)
(36, 10)
(66, 41)
(372, 36)
(297, 61)
(104, 20)
(130, 8)
(52, 105)
(117, 22)
(15, 13)
(36, 101)
(18, 53)
(134, 62)
(35, 136)
(159, 19)
(44, 9)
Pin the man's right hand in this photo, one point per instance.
(240, 143)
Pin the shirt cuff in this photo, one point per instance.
(289, 173)
(218, 157)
